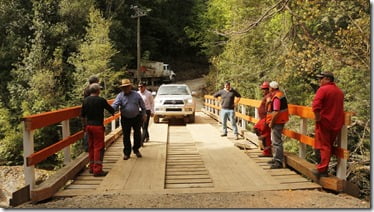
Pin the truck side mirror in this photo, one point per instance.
(153, 93)
(193, 93)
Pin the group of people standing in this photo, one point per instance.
(328, 108)
(136, 109)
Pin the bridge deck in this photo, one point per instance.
(186, 158)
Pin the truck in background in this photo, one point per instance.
(154, 72)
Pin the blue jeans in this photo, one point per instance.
(228, 114)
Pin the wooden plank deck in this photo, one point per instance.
(186, 158)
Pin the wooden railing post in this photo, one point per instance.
(65, 134)
(216, 103)
(341, 171)
(303, 130)
(28, 149)
(244, 122)
(113, 125)
(206, 105)
(256, 113)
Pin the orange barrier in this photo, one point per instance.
(41, 120)
(303, 112)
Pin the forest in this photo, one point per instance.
(49, 48)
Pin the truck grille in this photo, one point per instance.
(173, 109)
(173, 102)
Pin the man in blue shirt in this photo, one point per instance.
(133, 113)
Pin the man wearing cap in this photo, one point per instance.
(92, 115)
(92, 79)
(228, 103)
(261, 128)
(149, 105)
(133, 113)
(276, 118)
(328, 108)
(86, 93)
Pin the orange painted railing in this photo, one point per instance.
(41, 120)
(212, 105)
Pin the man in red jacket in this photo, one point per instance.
(262, 130)
(328, 108)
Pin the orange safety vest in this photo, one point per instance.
(283, 112)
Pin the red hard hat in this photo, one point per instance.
(265, 85)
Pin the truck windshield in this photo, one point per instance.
(173, 90)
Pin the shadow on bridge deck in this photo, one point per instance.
(186, 158)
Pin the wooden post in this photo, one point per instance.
(244, 112)
(113, 125)
(28, 149)
(216, 103)
(341, 171)
(256, 113)
(303, 131)
(65, 134)
(208, 108)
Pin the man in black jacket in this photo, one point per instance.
(228, 104)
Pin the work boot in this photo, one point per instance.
(138, 154)
(276, 165)
(126, 157)
(319, 174)
(223, 135)
(236, 137)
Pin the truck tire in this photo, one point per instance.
(156, 119)
(192, 118)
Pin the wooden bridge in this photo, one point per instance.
(179, 158)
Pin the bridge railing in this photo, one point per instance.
(31, 158)
(247, 112)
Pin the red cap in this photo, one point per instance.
(265, 85)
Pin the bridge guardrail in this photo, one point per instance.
(31, 158)
(212, 105)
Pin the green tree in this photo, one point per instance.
(94, 55)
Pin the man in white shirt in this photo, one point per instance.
(149, 105)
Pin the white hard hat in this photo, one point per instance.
(273, 84)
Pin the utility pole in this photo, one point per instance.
(139, 12)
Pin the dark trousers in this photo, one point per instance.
(127, 124)
(145, 133)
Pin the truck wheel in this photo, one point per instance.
(156, 119)
(191, 118)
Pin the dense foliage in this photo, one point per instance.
(290, 42)
(50, 47)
